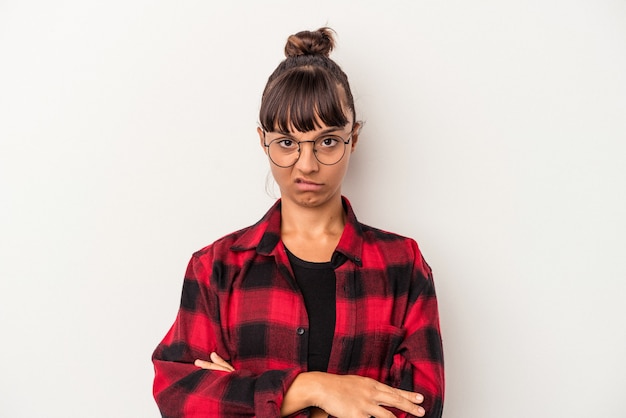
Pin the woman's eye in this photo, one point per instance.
(287, 143)
(329, 142)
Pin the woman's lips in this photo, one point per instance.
(307, 185)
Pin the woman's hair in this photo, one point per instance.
(307, 87)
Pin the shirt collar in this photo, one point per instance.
(264, 236)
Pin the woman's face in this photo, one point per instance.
(308, 182)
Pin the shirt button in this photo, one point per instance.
(300, 331)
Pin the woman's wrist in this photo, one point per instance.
(305, 391)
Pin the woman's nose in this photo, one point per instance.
(307, 161)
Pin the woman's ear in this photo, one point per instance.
(356, 130)
(262, 138)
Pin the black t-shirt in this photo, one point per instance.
(317, 283)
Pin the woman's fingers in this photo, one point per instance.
(221, 362)
(400, 399)
(411, 396)
(403, 400)
(216, 363)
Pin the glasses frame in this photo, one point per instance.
(345, 143)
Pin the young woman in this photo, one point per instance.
(308, 312)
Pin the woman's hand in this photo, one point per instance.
(349, 396)
(216, 363)
(357, 396)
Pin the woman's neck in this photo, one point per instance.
(312, 233)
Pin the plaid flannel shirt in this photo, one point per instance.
(240, 299)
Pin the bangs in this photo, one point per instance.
(301, 99)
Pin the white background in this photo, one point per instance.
(495, 135)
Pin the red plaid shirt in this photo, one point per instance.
(240, 300)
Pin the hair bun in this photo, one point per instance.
(319, 42)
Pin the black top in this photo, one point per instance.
(317, 283)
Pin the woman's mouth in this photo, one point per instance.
(307, 185)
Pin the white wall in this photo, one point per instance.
(495, 136)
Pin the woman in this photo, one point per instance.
(307, 312)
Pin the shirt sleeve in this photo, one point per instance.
(418, 364)
(182, 390)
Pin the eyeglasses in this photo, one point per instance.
(328, 150)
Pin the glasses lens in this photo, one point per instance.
(284, 152)
(329, 150)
